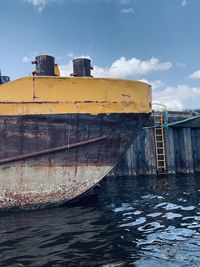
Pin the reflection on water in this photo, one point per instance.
(125, 222)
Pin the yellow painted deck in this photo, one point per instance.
(61, 95)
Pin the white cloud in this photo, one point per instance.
(66, 70)
(154, 84)
(184, 3)
(123, 68)
(178, 97)
(127, 11)
(195, 75)
(40, 4)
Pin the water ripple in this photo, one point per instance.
(125, 222)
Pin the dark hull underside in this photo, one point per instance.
(54, 177)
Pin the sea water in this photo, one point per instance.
(125, 221)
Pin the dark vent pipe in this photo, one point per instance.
(82, 67)
(44, 65)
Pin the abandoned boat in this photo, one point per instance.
(60, 136)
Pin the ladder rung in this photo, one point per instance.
(160, 144)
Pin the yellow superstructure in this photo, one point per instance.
(60, 95)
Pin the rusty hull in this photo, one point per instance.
(60, 175)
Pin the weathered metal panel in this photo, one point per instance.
(195, 135)
(27, 134)
(150, 152)
(169, 148)
(52, 158)
(51, 150)
(188, 157)
(183, 155)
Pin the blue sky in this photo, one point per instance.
(157, 41)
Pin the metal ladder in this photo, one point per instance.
(160, 144)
